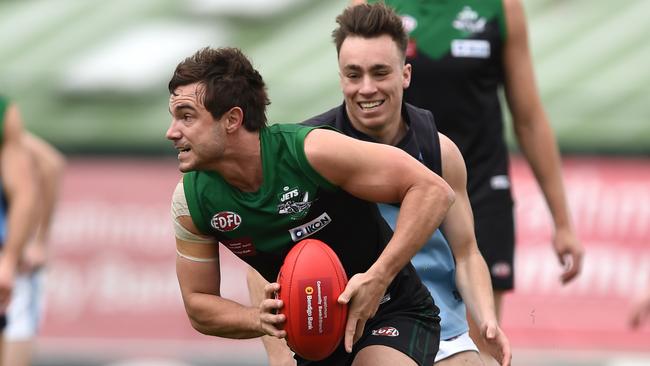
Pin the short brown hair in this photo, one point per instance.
(369, 21)
(229, 80)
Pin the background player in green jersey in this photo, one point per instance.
(463, 53)
(236, 166)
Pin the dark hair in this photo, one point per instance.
(369, 21)
(229, 80)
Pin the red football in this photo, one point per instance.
(311, 280)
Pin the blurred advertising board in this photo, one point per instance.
(112, 280)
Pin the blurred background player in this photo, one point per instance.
(371, 45)
(463, 53)
(19, 187)
(27, 301)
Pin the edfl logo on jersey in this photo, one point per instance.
(225, 221)
(386, 332)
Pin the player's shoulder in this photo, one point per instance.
(11, 124)
(421, 113)
(514, 12)
(327, 118)
(4, 101)
(510, 3)
(280, 128)
(289, 134)
(422, 122)
(179, 199)
(447, 145)
(453, 163)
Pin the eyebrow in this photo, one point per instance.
(375, 67)
(352, 67)
(183, 106)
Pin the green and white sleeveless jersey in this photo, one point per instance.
(294, 202)
(456, 51)
(284, 198)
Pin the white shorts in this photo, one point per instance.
(452, 346)
(25, 307)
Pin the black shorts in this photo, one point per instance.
(411, 327)
(3, 322)
(495, 234)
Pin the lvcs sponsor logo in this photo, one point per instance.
(225, 221)
(386, 332)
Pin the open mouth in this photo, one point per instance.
(182, 150)
(370, 105)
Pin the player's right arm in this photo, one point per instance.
(199, 277)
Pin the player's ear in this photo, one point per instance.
(406, 75)
(234, 119)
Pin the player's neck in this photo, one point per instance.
(398, 133)
(242, 163)
(391, 134)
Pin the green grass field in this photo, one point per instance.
(91, 75)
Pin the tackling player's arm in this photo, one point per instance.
(19, 185)
(277, 350)
(380, 173)
(472, 275)
(199, 277)
(535, 136)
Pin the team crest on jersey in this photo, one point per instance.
(468, 20)
(293, 202)
(409, 23)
